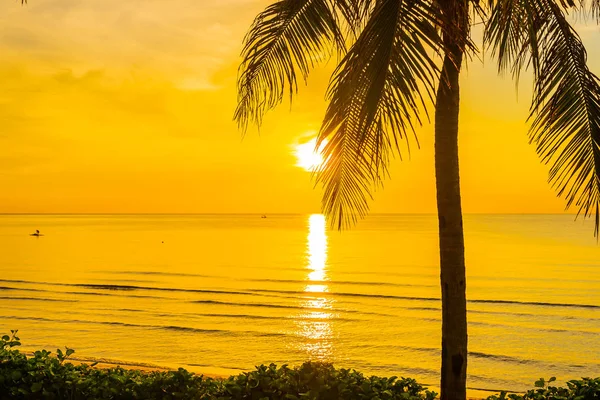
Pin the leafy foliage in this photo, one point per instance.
(43, 376)
(584, 389)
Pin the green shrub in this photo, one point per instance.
(584, 389)
(43, 376)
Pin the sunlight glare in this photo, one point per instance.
(308, 156)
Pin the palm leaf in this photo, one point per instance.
(511, 32)
(585, 7)
(355, 13)
(375, 95)
(595, 9)
(284, 41)
(566, 114)
(565, 111)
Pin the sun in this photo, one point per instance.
(308, 156)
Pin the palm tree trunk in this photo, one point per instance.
(452, 256)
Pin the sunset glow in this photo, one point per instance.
(195, 189)
(134, 114)
(308, 156)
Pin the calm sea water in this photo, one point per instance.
(223, 293)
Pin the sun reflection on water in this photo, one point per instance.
(317, 253)
(315, 325)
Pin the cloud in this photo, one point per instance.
(185, 40)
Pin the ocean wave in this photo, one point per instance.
(236, 304)
(346, 294)
(332, 282)
(110, 361)
(36, 299)
(392, 347)
(521, 314)
(291, 307)
(535, 303)
(128, 288)
(218, 366)
(224, 332)
(270, 280)
(437, 299)
(504, 358)
(22, 289)
(119, 288)
(126, 280)
(72, 292)
(158, 273)
(261, 317)
(434, 351)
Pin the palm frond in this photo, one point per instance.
(512, 34)
(584, 7)
(284, 41)
(565, 111)
(375, 96)
(355, 13)
(566, 114)
(595, 9)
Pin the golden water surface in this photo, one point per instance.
(223, 293)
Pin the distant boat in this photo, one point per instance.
(264, 216)
(37, 233)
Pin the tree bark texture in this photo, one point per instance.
(451, 238)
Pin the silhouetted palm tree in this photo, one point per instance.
(398, 57)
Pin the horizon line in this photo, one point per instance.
(276, 213)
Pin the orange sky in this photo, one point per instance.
(111, 106)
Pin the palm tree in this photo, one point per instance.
(396, 58)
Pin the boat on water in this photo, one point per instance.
(37, 233)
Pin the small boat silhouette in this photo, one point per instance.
(37, 233)
(264, 216)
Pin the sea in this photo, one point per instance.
(220, 294)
